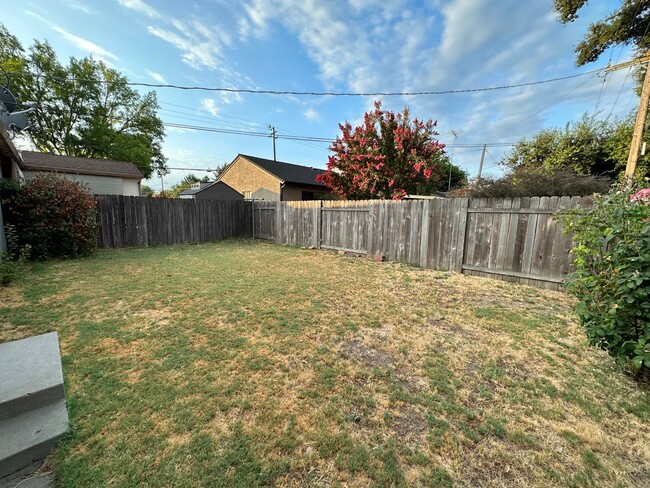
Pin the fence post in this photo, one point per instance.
(278, 222)
(424, 234)
(462, 233)
(252, 219)
(371, 227)
(319, 223)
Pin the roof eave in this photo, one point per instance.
(39, 169)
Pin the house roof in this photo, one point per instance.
(194, 191)
(289, 173)
(38, 161)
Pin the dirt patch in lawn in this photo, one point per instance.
(409, 425)
(370, 356)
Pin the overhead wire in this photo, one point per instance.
(628, 71)
(627, 74)
(553, 102)
(605, 80)
(335, 94)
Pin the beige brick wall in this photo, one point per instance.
(244, 176)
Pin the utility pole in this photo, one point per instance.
(480, 165)
(451, 162)
(274, 137)
(642, 113)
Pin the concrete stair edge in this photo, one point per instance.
(30, 374)
(27, 438)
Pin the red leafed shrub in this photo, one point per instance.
(388, 156)
(55, 216)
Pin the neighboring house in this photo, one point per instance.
(103, 176)
(11, 165)
(265, 179)
(213, 190)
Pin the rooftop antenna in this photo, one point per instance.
(12, 120)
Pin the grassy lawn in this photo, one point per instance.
(249, 364)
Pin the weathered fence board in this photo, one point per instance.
(514, 239)
(138, 221)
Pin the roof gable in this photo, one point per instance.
(38, 161)
(287, 172)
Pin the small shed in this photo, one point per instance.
(103, 176)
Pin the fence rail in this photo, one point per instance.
(138, 221)
(514, 239)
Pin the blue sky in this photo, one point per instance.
(343, 46)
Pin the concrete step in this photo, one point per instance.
(30, 374)
(38, 480)
(26, 439)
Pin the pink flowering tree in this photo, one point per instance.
(388, 156)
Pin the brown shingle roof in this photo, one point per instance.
(37, 161)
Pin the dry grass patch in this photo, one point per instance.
(248, 364)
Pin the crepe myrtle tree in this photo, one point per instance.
(388, 156)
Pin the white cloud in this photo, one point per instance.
(85, 44)
(142, 7)
(158, 77)
(210, 105)
(81, 7)
(214, 104)
(201, 46)
(313, 115)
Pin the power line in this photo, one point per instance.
(619, 92)
(290, 137)
(333, 94)
(553, 102)
(211, 113)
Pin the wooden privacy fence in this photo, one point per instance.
(514, 239)
(139, 221)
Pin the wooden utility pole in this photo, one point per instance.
(274, 137)
(480, 165)
(642, 113)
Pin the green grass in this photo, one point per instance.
(249, 364)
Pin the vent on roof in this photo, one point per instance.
(196, 186)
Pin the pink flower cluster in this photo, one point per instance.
(641, 196)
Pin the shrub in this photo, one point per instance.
(612, 277)
(55, 216)
(13, 261)
(526, 182)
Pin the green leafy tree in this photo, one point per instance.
(628, 25)
(84, 108)
(587, 147)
